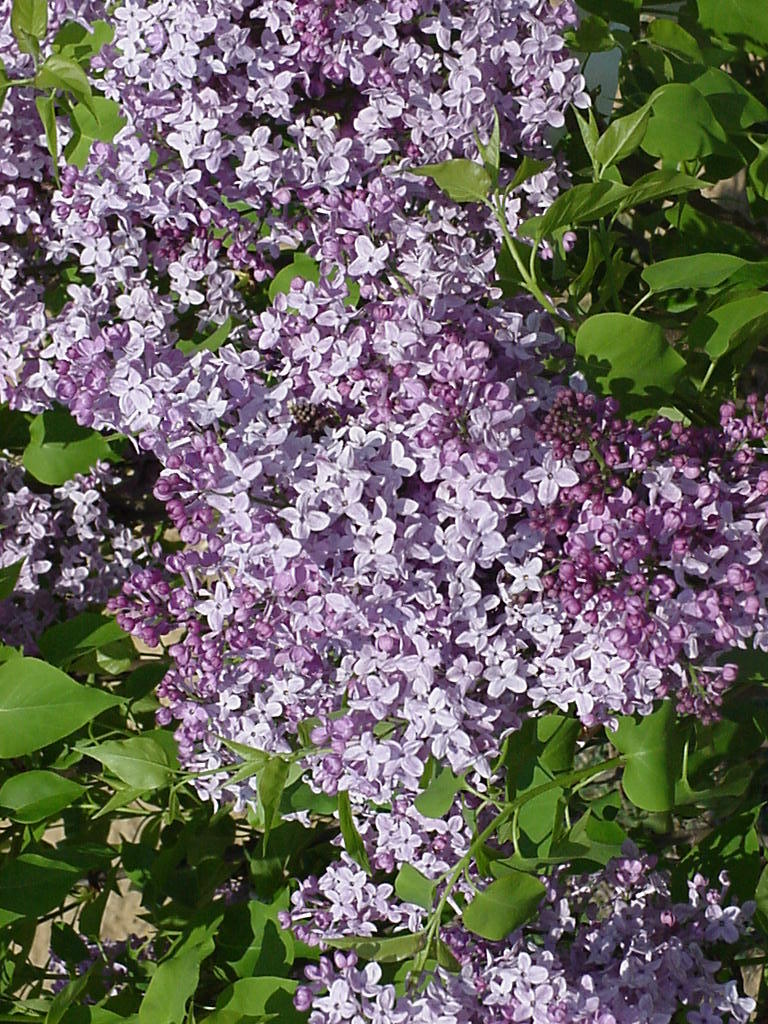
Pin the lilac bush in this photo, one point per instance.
(401, 529)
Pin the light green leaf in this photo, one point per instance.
(172, 985)
(29, 23)
(257, 999)
(733, 105)
(59, 448)
(271, 784)
(670, 36)
(141, 761)
(47, 114)
(747, 18)
(353, 842)
(622, 137)
(414, 887)
(34, 795)
(628, 358)
(652, 747)
(212, 343)
(727, 327)
(74, 40)
(40, 704)
(578, 205)
(699, 270)
(59, 72)
(464, 181)
(504, 905)
(675, 138)
(387, 950)
(100, 124)
(437, 799)
(9, 575)
(302, 266)
(491, 151)
(659, 185)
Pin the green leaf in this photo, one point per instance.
(100, 124)
(47, 114)
(413, 887)
(69, 996)
(3, 84)
(353, 842)
(62, 643)
(747, 18)
(733, 105)
(578, 205)
(250, 999)
(437, 799)
(491, 151)
(271, 784)
(700, 270)
(504, 905)
(628, 358)
(212, 343)
(303, 266)
(622, 137)
(670, 36)
(35, 795)
(727, 327)
(623, 11)
(40, 704)
(74, 40)
(29, 23)
(172, 985)
(9, 575)
(589, 130)
(464, 181)
(677, 139)
(141, 761)
(761, 898)
(32, 885)
(59, 448)
(387, 950)
(659, 185)
(652, 747)
(59, 72)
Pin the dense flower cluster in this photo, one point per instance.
(639, 956)
(72, 552)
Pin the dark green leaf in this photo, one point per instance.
(63, 643)
(652, 747)
(69, 996)
(528, 169)
(628, 358)
(593, 35)
(40, 704)
(31, 885)
(578, 205)
(504, 905)
(659, 185)
(464, 181)
(213, 342)
(34, 795)
(74, 40)
(353, 842)
(413, 887)
(671, 36)
(733, 105)
(761, 898)
(59, 448)
(172, 985)
(9, 575)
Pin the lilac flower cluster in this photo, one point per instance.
(73, 553)
(113, 958)
(606, 949)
